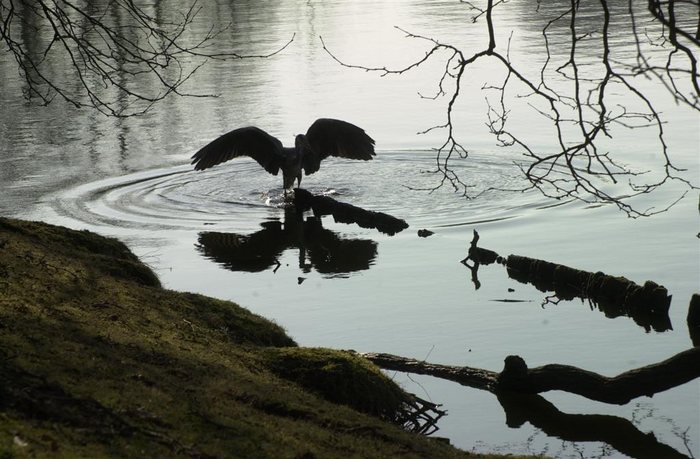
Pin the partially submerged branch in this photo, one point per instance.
(612, 295)
(518, 378)
(647, 304)
(466, 376)
(694, 319)
(347, 213)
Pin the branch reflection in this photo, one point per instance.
(617, 432)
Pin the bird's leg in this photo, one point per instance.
(287, 184)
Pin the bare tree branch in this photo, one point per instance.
(518, 378)
(112, 52)
(577, 97)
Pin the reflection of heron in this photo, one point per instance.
(319, 248)
(326, 137)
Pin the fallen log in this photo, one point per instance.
(518, 378)
(694, 319)
(646, 304)
(466, 376)
(598, 286)
(347, 213)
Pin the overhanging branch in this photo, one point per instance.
(578, 104)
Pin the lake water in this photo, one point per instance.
(345, 287)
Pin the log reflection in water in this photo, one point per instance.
(617, 432)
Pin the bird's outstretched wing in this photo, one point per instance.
(329, 137)
(247, 141)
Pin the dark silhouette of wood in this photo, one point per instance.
(518, 378)
(694, 319)
(347, 213)
(479, 255)
(420, 416)
(646, 304)
(466, 376)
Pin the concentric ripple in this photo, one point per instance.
(239, 195)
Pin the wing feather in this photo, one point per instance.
(331, 137)
(247, 141)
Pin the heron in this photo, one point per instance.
(325, 137)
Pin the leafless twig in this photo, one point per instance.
(124, 59)
(576, 95)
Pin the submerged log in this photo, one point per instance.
(648, 380)
(694, 311)
(694, 319)
(347, 213)
(613, 295)
(598, 286)
(518, 378)
(647, 305)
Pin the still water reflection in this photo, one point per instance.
(319, 249)
(400, 294)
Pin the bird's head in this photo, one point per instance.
(301, 143)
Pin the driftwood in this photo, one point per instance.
(518, 378)
(347, 213)
(646, 304)
(611, 294)
(466, 376)
(694, 319)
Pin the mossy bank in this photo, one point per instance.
(97, 360)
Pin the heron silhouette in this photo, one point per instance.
(325, 137)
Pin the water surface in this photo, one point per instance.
(342, 286)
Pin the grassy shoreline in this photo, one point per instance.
(97, 360)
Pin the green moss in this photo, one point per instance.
(340, 377)
(96, 360)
